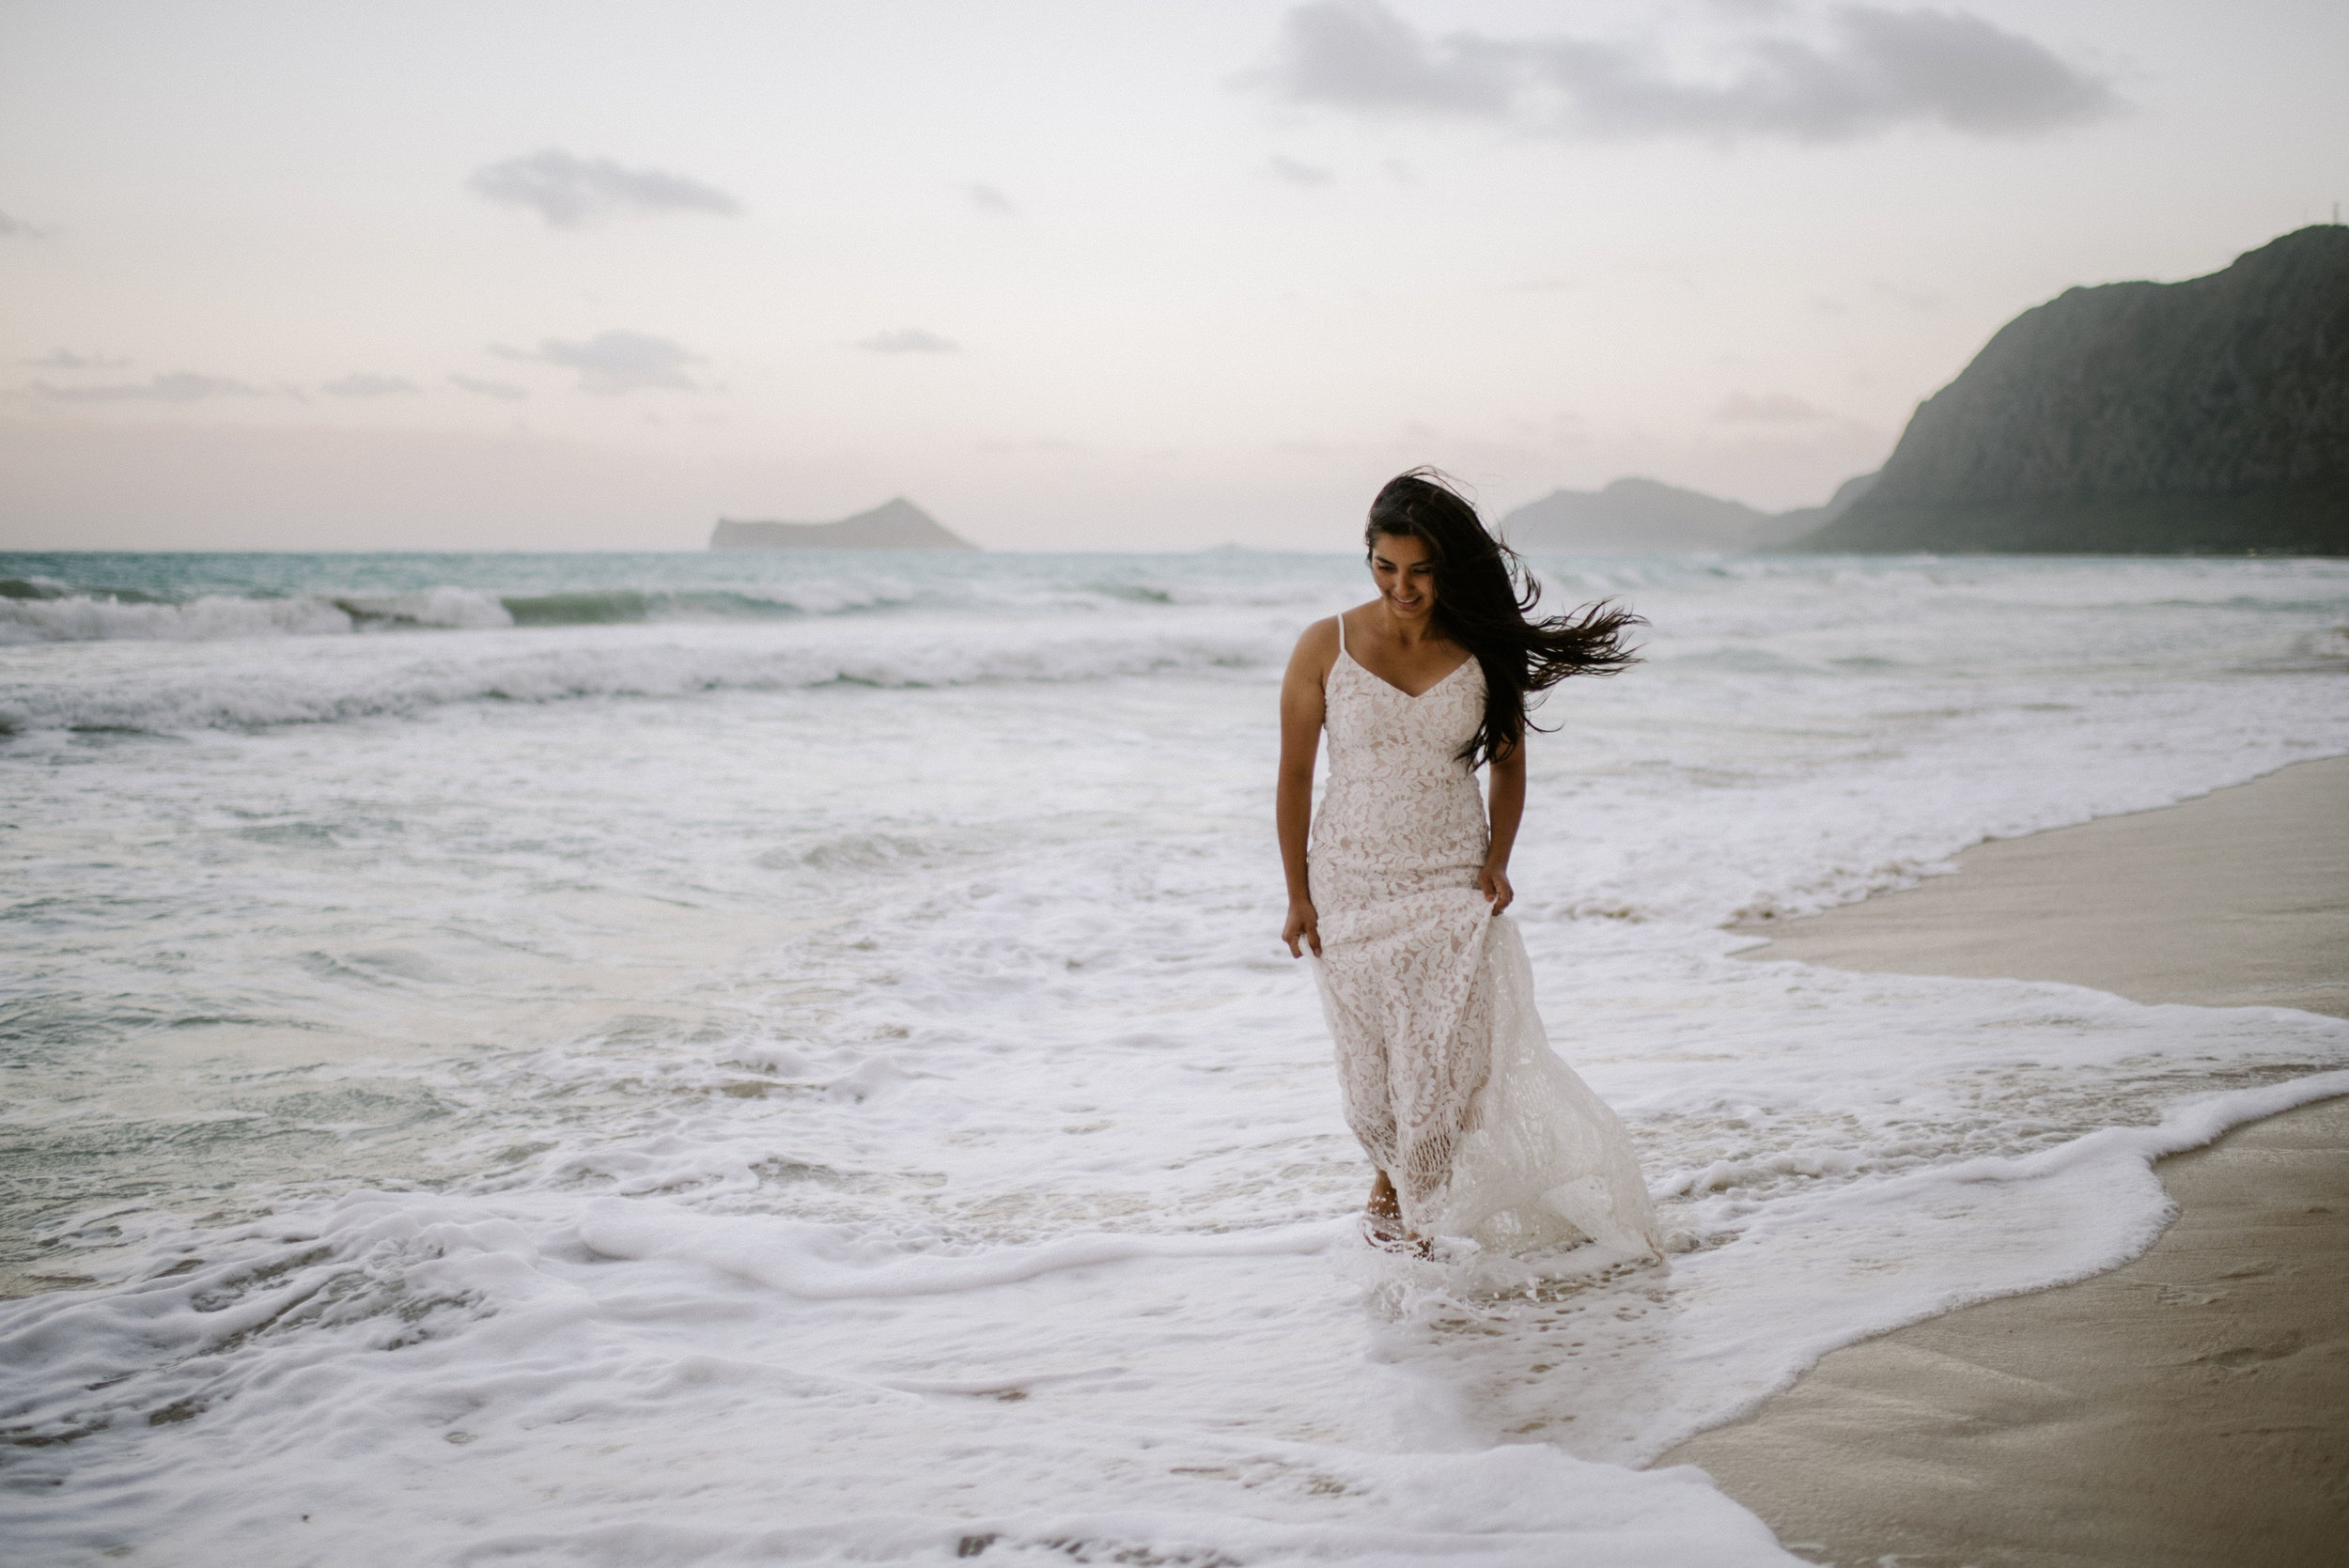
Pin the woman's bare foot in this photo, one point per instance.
(1383, 1221)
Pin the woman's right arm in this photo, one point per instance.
(1300, 740)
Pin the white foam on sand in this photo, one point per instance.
(816, 1121)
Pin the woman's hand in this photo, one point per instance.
(1493, 882)
(1304, 926)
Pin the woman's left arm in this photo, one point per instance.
(1504, 808)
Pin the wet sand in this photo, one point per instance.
(2192, 1406)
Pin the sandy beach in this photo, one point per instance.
(2192, 1406)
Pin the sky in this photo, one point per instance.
(1069, 273)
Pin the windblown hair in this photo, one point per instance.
(1485, 599)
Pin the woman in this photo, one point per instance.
(1476, 1128)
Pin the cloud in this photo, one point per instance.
(505, 391)
(1771, 408)
(359, 384)
(180, 387)
(988, 199)
(570, 192)
(17, 228)
(66, 359)
(912, 340)
(1874, 71)
(1357, 54)
(1295, 173)
(615, 362)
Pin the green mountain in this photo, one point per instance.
(2203, 418)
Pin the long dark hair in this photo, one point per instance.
(1485, 599)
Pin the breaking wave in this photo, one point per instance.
(30, 615)
(198, 598)
(233, 687)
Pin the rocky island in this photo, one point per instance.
(897, 524)
(2203, 418)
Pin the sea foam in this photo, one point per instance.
(824, 1086)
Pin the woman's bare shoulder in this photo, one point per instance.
(1316, 652)
(1318, 646)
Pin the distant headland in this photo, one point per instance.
(2208, 417)
(897, 524)
(1648, 517)
(2203, 418)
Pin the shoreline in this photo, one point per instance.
(2236, 899)
(2192, 1405)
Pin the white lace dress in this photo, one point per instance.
(1449, 1080)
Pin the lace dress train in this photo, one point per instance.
(1448, 1076)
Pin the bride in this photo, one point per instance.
(1476, 1128)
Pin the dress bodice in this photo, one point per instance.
(1376, 729)
(1400, 812)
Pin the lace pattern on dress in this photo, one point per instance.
(1448, 1076)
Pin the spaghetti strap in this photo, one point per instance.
(1341, 631)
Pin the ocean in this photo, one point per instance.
(614, 1059)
